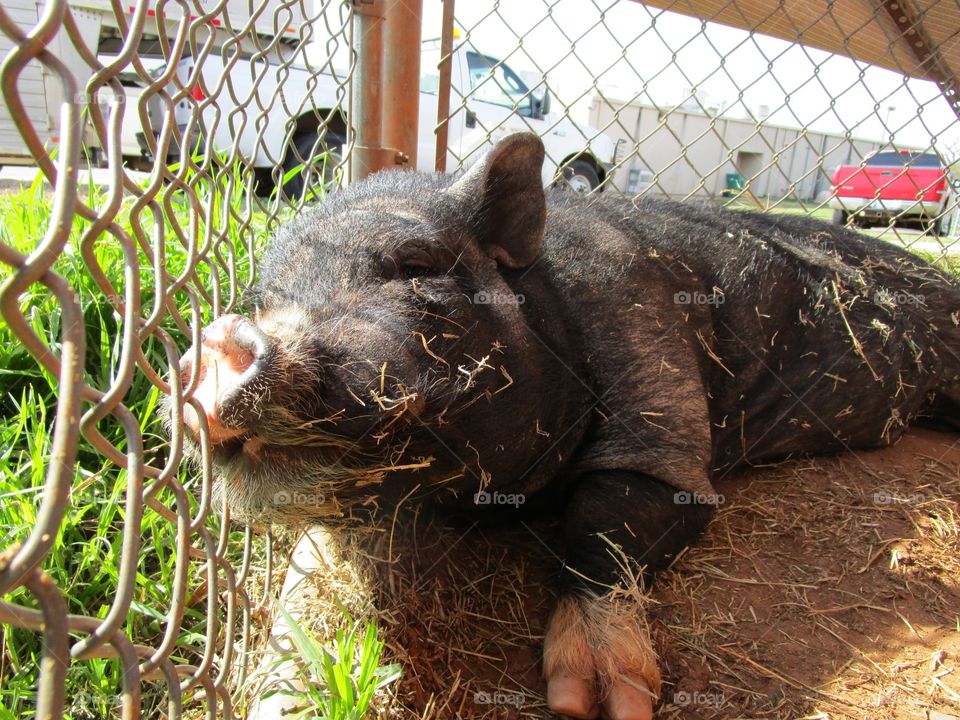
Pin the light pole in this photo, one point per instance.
(886, 121)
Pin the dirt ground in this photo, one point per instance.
(825, 588)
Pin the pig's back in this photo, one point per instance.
(822, 339)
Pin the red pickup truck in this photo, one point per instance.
(906, 185)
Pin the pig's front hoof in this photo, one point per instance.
(628, 700)
(573, 697)
(598, 660)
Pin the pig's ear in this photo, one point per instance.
(505, 194)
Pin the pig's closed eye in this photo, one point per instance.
(408, 264)
(415, 269)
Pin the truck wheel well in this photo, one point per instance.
(308, 122)
(336, 123)
(587, 157)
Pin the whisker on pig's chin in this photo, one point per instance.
(293, 472)
(304, 491)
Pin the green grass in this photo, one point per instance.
(948, 263)
(941, 252)
(785, 206)
(340, 681)
(85, 559)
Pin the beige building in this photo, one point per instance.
(689, 153)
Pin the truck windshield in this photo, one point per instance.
(429, 71)
(494, 82)
(901, 159)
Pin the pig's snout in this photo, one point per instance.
(233, 355)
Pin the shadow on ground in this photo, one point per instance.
(825, 588)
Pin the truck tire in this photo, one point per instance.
(304, 142)
(938, 227)
(581, 176)
(840, 217)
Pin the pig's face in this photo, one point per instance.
(383, 339)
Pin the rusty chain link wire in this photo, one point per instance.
(698, 110)
(199, 96)
(173, 136)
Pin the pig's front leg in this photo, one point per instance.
(598, 658)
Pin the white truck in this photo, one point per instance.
(99, 29)
(279, 107)
(496, 101)
(265, 104)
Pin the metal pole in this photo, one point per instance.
(401, 76)
(443, 92)
(366, 111)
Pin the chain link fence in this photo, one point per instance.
(172, 137)
(169, 139)
(844, 111)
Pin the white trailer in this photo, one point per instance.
(30, 85)
(40, 88)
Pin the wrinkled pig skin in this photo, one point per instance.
(483, 346)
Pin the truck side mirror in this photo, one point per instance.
(545, 103)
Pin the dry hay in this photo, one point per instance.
(825, 588)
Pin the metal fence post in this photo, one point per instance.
(366, 114)
(443, 92)
(387, 41)
(401, 78)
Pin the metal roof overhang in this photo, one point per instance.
(918, 38)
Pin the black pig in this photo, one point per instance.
(476, 342)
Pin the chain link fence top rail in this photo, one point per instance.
(173, 136)
(124, 592)
(701, 111)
